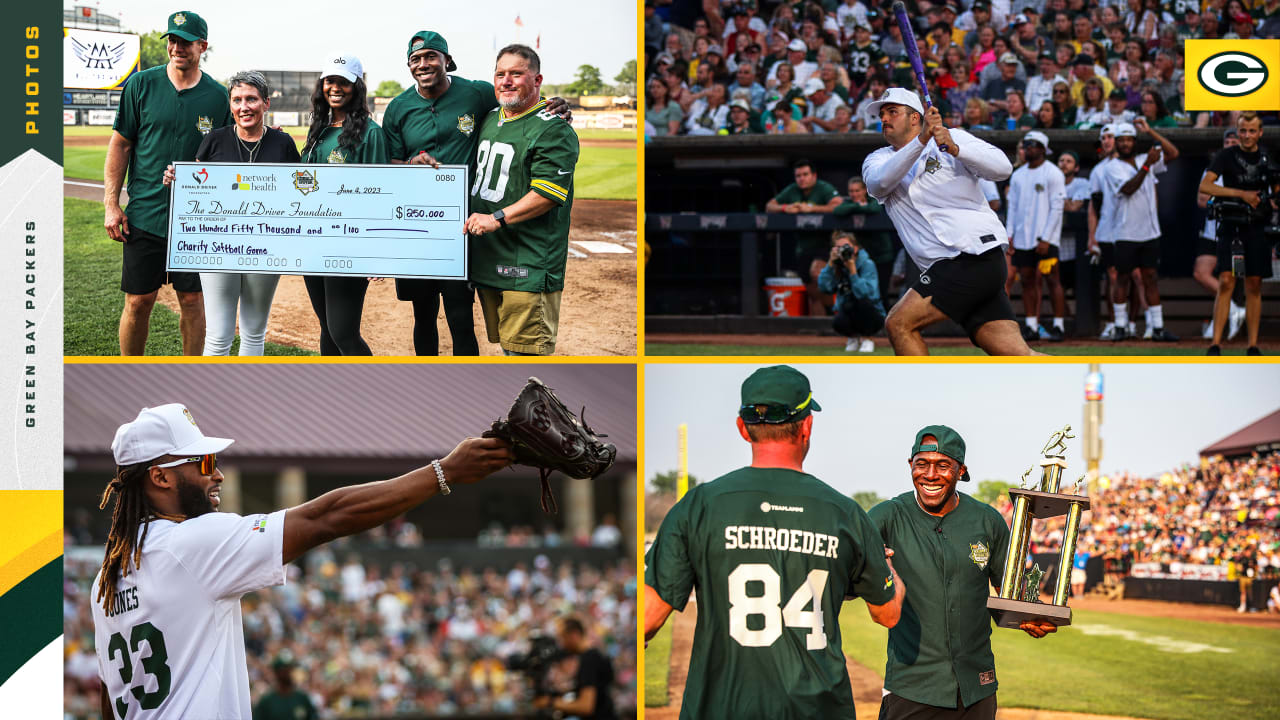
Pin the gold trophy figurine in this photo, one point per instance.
(1018, 601)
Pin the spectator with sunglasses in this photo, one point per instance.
(175, 565)
(774, 525)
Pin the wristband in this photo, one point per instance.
(444, 486)
(1146, 168)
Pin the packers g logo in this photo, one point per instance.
(1232, 73)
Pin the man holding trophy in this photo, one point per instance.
(948, 548)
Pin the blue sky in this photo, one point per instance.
(300, 35)
(1155, 416)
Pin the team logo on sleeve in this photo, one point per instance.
(259, 525)
(204, 124)
(888, 582)
(466, 124)
(979, 554)
(305, 181)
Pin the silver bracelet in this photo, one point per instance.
(444, 486)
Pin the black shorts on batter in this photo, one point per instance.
(1257, 250)
(896, 707)
(1140, 254)
(969, 288)
(1030, 258)
(143, 270)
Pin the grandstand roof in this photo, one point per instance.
(1263, 434)
(340, 411)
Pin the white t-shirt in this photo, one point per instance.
(934, 198)
(1039, 90)
(1103, 232)
(175, 636)
(1135, 217)
(1077, 189)
(803, 71)
(1035, 205)
(826, 111)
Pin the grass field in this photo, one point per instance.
(92, 276)
(657, 659)
(1187, 347)
(603, 173)
(1108, 671)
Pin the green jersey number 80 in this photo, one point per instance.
(766, 605)
(491, 155)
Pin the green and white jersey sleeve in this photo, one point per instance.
(531, 152)
(772, 554)
(173, 644)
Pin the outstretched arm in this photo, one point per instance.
(356, 508)
(656, 611)
(883, 171)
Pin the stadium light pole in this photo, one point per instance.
(682, 478)
(1093, 394)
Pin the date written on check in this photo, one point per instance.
(357, 220)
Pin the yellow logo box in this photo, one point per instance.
(1233, 74)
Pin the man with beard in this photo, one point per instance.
(175, 568)
(433, 123)
(1136, 226)
(521, 200)
(948, 548)
(1036, 195)
(935, 201)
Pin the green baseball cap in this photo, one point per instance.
(782, 389)
(948, 443)
(188, 26)
(429, 40)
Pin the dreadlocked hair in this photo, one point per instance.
(132, 510)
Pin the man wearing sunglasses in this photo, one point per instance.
(166, 609)
(773, 552)
(949, 548)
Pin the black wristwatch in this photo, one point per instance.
(501, 217)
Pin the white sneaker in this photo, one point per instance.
(1235, 320)
(1146, 334)
(1207, 333)
(867, 345)
(1133, 329)
(852, 344)
(1108, 332)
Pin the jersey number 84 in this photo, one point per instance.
(766, 605)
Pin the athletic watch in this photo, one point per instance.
(500, 216)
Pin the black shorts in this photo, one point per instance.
(1030, 258)
(1257, 249)
(143, 270)
(896, 707)
(1108, 256)
(969, 288)
(1139, 254)
(1206, 246)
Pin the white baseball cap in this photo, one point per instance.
(797, 45)
(813, 85)
(1108, 129)
(164, 430)
(895, 96)
(1125, 130)
(347, 67)
(1039, 137)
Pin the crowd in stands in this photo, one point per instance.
(427, 641)
(1216, 512)
(732, 67)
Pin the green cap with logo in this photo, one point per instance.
(188, 26)
(781, 390)
(948, 443)
(429, 40)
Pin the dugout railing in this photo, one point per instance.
(712, 245)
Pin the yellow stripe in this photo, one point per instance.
(551, 188)
(30, 560)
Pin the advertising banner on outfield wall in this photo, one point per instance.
(96, 60)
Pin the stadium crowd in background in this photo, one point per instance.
(746, 66)
(398, 640)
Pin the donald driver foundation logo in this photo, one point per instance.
(1232, 74)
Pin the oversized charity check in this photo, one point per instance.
(334, 219)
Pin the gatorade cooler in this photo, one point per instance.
(786, 296)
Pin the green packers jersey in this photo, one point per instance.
(772, 554)
(164, 124)
(445, 128)
(534, 151)
(372, 149)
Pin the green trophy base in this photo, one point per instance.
(1012, 613)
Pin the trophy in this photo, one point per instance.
(1019, 598)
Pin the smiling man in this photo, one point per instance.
(165, 112)
(166, 611)
(521, 201)
(948, 548)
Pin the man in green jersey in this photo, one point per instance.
(773, 551)
(521, 199)
(164, 113)
(949, 548)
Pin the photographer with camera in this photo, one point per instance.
(851, 275)
(1243, 206)
(587, 695)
